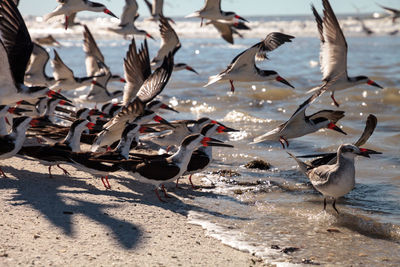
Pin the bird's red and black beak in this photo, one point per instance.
(208, 141)
(191, 69)
(241, 18)
(149, 36)
(25, 103)
(162, 121)
(54, 94)
(90, 125)
(224, 129)
(365, 152)
(65, 103)
(98, 84)
(108, 12)
(144, 129)
(164, 106)
(371, 82)
(35, 123)
(281, 80)
(334, 127)
(122, 80)
(18, 111)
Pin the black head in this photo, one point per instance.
(319, 120)
(207, 128)
(153, 103)
(189, 139)
(81, 111)
(76, 123)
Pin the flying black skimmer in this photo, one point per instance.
(64, 78)
(156, 10)
(202, 157)
(333, 55)
(243, 67)
(212, 11)
(338, 179)
(330, 158)
(69, 7)
(47, 40)
(50, 155)
(394, 13)
(158, 170)
(228, 28)
(130, 29)
(10, 144)
(15, 50)
(169, 44)
(299, 124)
(94, 56)
(35, 74)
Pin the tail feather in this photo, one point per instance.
(313, 89)
(193, 15)
(302, 165)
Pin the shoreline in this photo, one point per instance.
(75, 221)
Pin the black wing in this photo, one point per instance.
(16, 39)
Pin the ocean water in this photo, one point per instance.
(270, 212)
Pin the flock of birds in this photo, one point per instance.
(118, 133)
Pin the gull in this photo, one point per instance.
(243, 67)
(333, 54)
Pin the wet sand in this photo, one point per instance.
(74, 221)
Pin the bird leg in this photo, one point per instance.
(283, 141)
(232, 86)
(50, 175)
(165, 191)
(106, 185)
(66, 22)
(201, 23)
(2, 173)
(334, 205)
(334, 100)
(156, 190)
(64, 170)
(324, 203)
(177, 184)
(190, 180)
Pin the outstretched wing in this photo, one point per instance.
(16, 39)
(129, 12)
(60, 70)
(271, 42)
(369, 129)
(169, 40)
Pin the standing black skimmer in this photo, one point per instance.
(47, 40)
(299, 124)
(64, 78)
(15, 50)
(212, 11)
(156, 10)
(50, 155)
(335, 180)
(394, 13)
(4, 111)
(69, 7)
(94, 55)
(169, 44)
(35, 74)
(10, 144)
(243, 66)
(202, 157)
(228, 28)
(333, 55)
(330, 158)
(158, 170)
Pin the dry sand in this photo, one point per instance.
(74, 221)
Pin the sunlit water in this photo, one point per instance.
(268, 211)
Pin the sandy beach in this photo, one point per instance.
(74, 221)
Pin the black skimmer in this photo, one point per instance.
(156, 10)
(15, 50)
(338, 179)
(4, 111)
(333, 55)
(69, 7)
(202, 157)
(169, 44)
(35, 74)
(94, 55)
(50, 155)
(364, 28)
(64, 78)
(299, 124)
(47, 40)
(394, 13)
(330, 158)
(212, 11)
(243, 67)
(157, 105)
(10, 144)
(130, 29)
(228, 28)
(158, 170)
